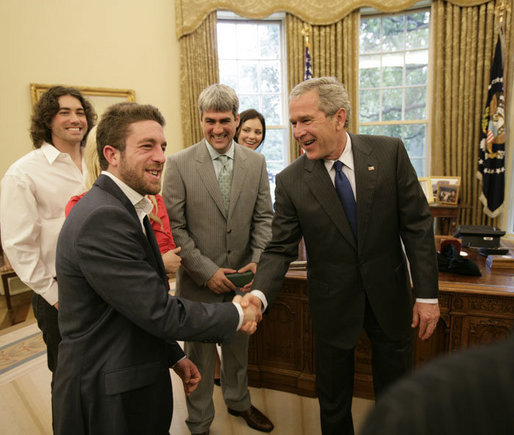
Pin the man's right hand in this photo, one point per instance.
(219, 283)
(252, 314)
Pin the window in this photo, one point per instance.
(393, 77)
(252, 62)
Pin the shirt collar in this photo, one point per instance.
(50, 152)
(346, 157)
(215, 154)
(140, 202)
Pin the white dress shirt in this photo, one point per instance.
(35, 190)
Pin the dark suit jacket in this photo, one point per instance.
(391, 208)
(469, 392)
(118, 322)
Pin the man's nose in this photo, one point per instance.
(298, 131)
(218, 128)
(158, 155)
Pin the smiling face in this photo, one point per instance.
(219, 129)
(69, 124)
(320, 136)
(251, 133)
(141, 163)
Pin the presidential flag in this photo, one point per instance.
(491, 156)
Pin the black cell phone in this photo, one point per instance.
(240, 279)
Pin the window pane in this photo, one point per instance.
(419, 166)
(369, 105)
(393, 33)
(416, 67)
(273, 146)
(414, 138)
(370, 35)
(248, 77)
(269, 37)
(418, 25)
(247, 43)
(248, 102)
(270, 76)
(369, 70)
(416, 103)
(228, 72)
(392, 105)
(227, 41)
(271, 109)
(392, 67)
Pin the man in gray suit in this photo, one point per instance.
(118, 322)
(354, 199)
(218, 199)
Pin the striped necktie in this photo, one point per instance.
(225, 180)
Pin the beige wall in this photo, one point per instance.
(129, 44)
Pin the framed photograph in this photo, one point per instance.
(445, 189)
(426, 185)
(100, 98)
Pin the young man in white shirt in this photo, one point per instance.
(35, 190)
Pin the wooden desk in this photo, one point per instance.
(474, 310)
(447, 215)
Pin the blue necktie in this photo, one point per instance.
(345, 192)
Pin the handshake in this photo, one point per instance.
(251, 306)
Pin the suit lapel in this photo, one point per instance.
(366, 174)
(323, 190)
(205, 170)
(151, 249)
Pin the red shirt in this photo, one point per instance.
(162, 230)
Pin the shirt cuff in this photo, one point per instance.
(262, 297)
(241, 315)
(427, 301)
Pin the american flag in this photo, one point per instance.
(308, 62)
(491, 155)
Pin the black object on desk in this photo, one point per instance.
(479, 236)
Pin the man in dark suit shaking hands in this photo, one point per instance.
(117, 320)
(355, 199)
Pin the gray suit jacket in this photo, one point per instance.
(209, 237)
(118, 322)
(391, 209)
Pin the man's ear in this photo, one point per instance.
(112, 155)
(340, 118)
(237, 121)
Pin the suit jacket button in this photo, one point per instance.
(229, 230)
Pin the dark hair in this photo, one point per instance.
(245, 116)
(114, 125)
(48, 106)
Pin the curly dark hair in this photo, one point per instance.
(245, 116)
(48, 106)
(114, 126)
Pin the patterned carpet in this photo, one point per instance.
(19, 349)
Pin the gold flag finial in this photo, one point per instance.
(306, 32)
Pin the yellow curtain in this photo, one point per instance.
(334, 51)
(198, 69)
(463, 41)
(190, 13)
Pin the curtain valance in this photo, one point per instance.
(190, 13)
